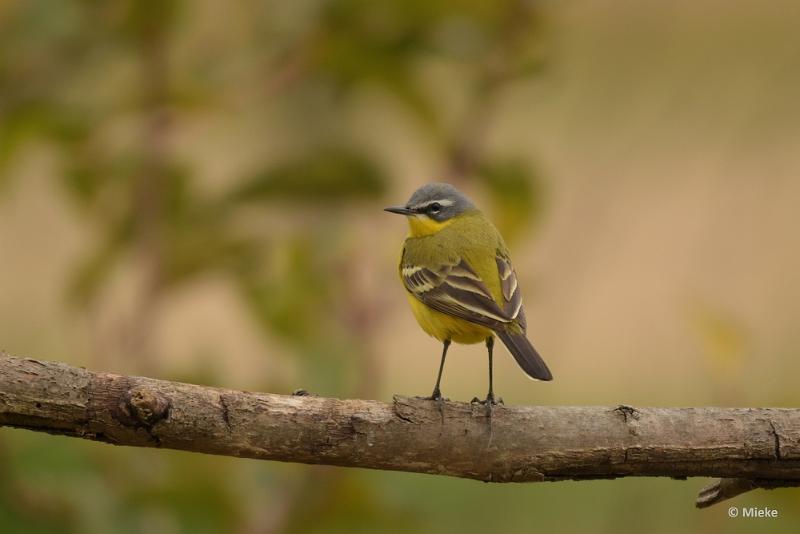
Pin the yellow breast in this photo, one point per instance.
(442, 326)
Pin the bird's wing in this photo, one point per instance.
(456, 289)
(512, 296)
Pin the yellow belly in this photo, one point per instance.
(443, 326)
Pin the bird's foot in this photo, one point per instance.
(435, 396)
(490, 400)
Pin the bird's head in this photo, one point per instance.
(432, 207)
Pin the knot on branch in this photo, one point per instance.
(627, 412)
(630, 416)
(141, 406)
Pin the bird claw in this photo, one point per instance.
(489, 400)
(435, 396)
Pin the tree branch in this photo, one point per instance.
(506, 444)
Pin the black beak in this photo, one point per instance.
(400, 210)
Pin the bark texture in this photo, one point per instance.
(506, 444)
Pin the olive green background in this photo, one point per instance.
(193, 191)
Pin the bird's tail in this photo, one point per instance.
(525, 354)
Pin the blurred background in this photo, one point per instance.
(193, 192)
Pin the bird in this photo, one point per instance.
(460, 282)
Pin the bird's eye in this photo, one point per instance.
(435, 207)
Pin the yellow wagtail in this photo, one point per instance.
(459, 279)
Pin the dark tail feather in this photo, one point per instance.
(526, 355)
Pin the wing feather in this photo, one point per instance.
(455, 289)
(512, 296)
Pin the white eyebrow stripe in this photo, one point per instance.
(443, 202)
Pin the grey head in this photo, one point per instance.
(437, 200)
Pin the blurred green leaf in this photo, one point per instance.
(84, 176)
(528, 67)
(192, 254)
(146, 20)
(344, 502)
(325, 175)
(288, 292)
(195, 492)
(89, 276)
(17, 125)
(83, 180)
(364, 43)
(405, 89)
(515, 192)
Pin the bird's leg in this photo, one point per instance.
(437, 394)
(490, 398)
(489, 347)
